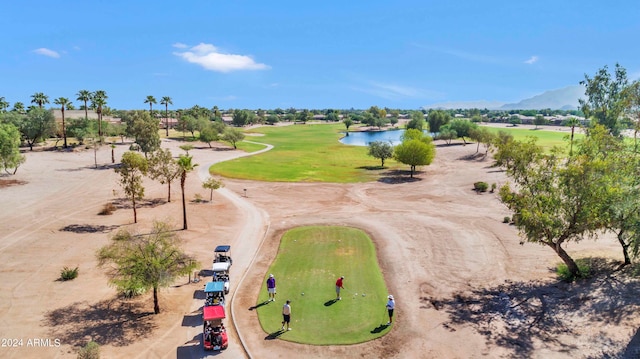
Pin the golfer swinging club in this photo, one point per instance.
(338, 287)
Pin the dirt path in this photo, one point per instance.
(435, 239)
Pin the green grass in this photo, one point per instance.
(546, 139)
(250, 147)
(309, 261)
(305, 153)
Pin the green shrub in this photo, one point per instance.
(481, 186)
(493, 187)
(68, 274)
(506, 219)
(89, 351)
(132, 292)
(583, 268)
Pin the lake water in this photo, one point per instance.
(363, 138)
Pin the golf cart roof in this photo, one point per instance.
(221, 266)
(212, 287)
(224, 248)
(213, 312)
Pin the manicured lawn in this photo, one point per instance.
(546, 139)
(309, 261)
(250, 147)
(305, 153)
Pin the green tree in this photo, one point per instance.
(163, 168)
(39, 125)
(84, 96)
(606, 97)
(149, 261)
(415, 152)
(233, 136)
(241, 118)
(462, 127)
(573, 123)
(131, 170)
(539, 120)
(482, 135)
(39, 99)
(380, 150)
(151, 101)
(166, 101)
(212, 184)
(208, 134)
(447, 134)
(554, 200)
(10, 156)
(186, 166)
(437, 119)
(348, 122)
(4, 105)
(62, 102)
(417, 121)
(144, 129)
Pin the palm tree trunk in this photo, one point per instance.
(166, 117)
(86, 113)
(64, 131)
(184, 204)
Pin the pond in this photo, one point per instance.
(363, 138)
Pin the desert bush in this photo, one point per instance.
(197, 198)
(68, 273)
(565, 275)
(493, 187)
(132, 292)
(480, 186)
(506, 219)
(89, 351)
(107, 209)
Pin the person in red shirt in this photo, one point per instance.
(338, 287)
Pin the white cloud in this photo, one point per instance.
(532, 60)
(180, 45)
(46, 52)
(209, 57)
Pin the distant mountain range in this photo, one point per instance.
(561, 99)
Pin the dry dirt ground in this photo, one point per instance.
(464, 286)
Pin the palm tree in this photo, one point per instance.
(150, 100)
(18, 107)
(99, 99)
(573, 122)
(184, 162)
(84, 96)
(40, 99)
(166, 101)
(62, 101)
(3, 104)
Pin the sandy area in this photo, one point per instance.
(464, 286)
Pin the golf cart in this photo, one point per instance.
(214, 335)
(222, 255)
(214, 294)
(221, 274)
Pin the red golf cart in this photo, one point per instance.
(214, 334)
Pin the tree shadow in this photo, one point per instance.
(517, 315)
(473, 157)
(259, 305)
(380, 328)
(371, 168)
(330, 302)
(193, 319)
(114, 322)
(274, 335)
(193, 349)
(399, 176)
(125, 203)
(88, 228)
(10, 182)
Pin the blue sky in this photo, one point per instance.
(318, 54)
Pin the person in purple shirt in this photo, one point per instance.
(271, 288)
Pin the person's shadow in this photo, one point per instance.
(259, 305)
(380, 328)
(330, 303)
(274, 335)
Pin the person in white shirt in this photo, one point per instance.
(391, 304)
(286, 314)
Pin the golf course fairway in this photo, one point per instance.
(309, 261)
